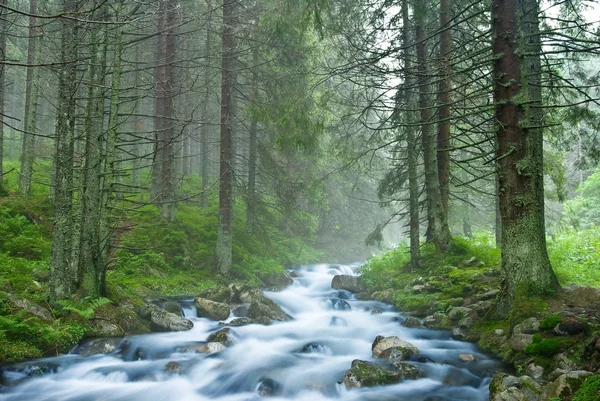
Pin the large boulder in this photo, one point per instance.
(30, 307)
(566, 385)
(276, 280)
(459, 312)
(217, 294)
(367, 374)
(527, 326)
(161, 320)
(211, 309)
(349, 283)
(262, 306)
(401, 347)
(518, 342)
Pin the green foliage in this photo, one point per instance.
(84, 307)
(22, 236)
(584, 210)
(550, 322)
(545, 347)
(589, 390)
(31, 338)
(575, 257)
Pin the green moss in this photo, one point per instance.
(545, 347)
(550, 322)
(590, 390)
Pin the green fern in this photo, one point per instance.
(85, 307)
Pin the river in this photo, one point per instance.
(300, 360)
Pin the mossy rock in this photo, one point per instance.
(368, 374)
(216, 294)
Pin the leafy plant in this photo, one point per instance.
(86, 307)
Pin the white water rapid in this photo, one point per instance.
(300, 360)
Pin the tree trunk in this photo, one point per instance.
(204, 129)
(31, 103)
(111, 164)
(436, 218)
(444, 99)
(252, 157)
(3, 29)
(61, 274)
(224, 235)
(159, 71)
(139, 126)
(413, 185)
(517, 96)
(167, 134)
(89, 267)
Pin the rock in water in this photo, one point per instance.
(211, 309)
(383, 343)
(162, 320)
(268, 388)
(277, 280)
(262, 306)
(367, 374)
(349, 283)
(224, 336)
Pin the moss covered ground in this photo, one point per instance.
(149, 258)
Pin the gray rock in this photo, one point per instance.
(511, 394)
(411, 322)
(211, 309)
(556, 373)
(99, 346)
(173, 307)
(103, 328)
(261, 306)
(459, 334)
(30, 307)
(459, 312)
(349, 283)
(466, 322)
(161, 320)
(527, 326)
(466, 357)
(268, 388)
(225, 336)
(535, 371)
(518, 342)
(487, 296)
(278, 280)
(172, 367)
(436, 320)
(566, 385)
(367, 374)
(397, 354)
(562, 361)
(206, 348)
(383, 343)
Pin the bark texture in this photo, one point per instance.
(517, 96)
(61, 274)
(224, 235)
(438, 230)
(31, 104)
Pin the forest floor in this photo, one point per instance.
(149, 260)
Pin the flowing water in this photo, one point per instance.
(303, 359)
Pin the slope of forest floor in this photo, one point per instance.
(149, 259)
(553, 341)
